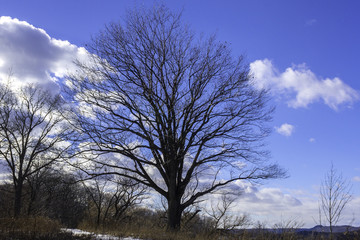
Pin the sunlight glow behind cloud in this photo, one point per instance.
(304, 84)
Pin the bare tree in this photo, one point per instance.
(335, 194)
(288, 227)
(127, 195)
(113, 197)
(56, 194)
(220, 213)
(181, 111)
(96, 191)
(31, 134)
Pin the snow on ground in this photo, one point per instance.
(96, 236)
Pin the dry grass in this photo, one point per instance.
(33, 228)
(41, 228)
(31, 224)
(148, 232)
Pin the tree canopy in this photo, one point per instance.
(171, 110)
(33, 133)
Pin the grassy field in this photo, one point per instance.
(41, 228)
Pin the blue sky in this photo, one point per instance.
(306, 52)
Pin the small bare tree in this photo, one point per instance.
(286, 228)
(220, 213)
(112, 197)
(96, 192)
(127, 195)
(335, 194)
(32, 134)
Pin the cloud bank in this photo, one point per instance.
(30, 55)
(273, 205)
(301, 86)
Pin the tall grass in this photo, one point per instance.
(33, 228)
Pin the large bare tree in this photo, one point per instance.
(32, 134)
(180, 109)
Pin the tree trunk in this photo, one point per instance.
(98, 217)
(174, 212)
(33, 196)
(331, 231)
(18, 198)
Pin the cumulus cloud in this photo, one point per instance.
(285, 129)
(271, 205)
(275, 196)
(30, 55)
(301, 86)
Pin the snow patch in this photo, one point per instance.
(79, 232)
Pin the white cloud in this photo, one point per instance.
(32, 56)
(285, 129)
(273, 205)
(312, 140)
(301, 85)
(356, 179)
(311, 22)
(273, 196)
